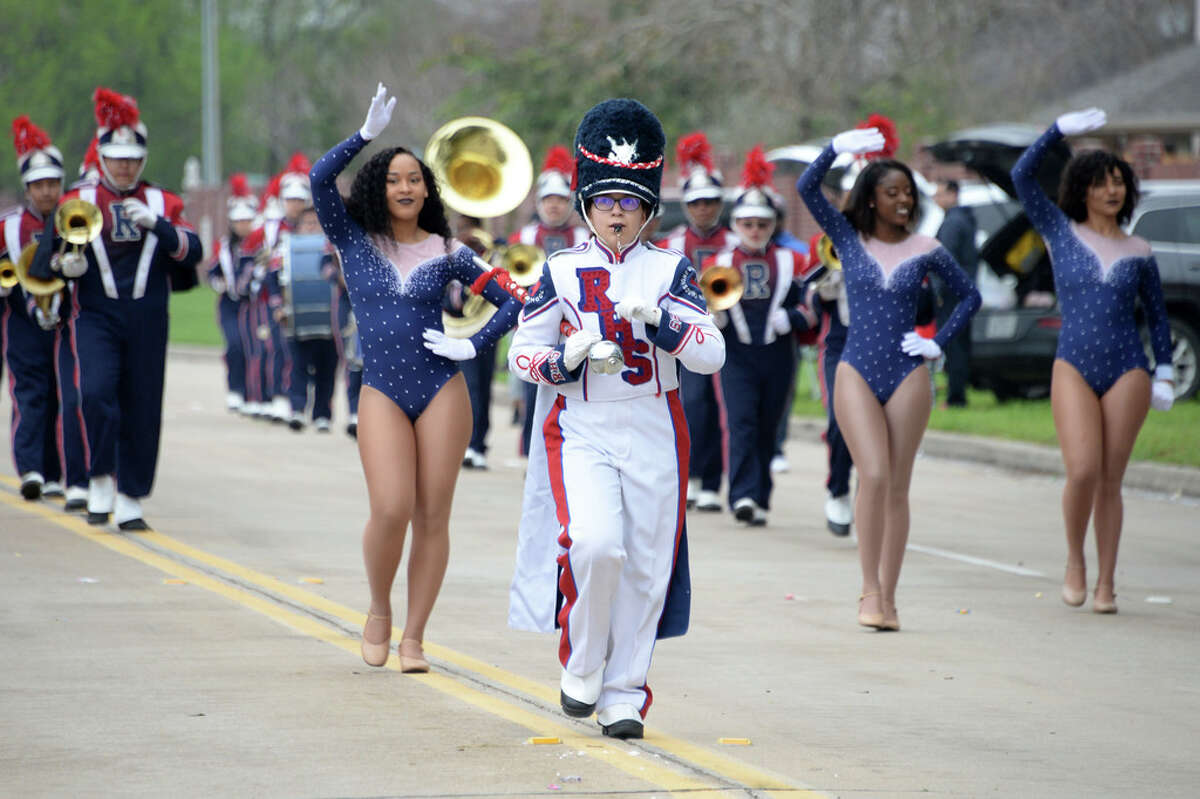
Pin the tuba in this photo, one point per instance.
(482, 166)
(722, 287)
(476, 311)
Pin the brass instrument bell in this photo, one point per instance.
(8, 274)
(44, 292)
(77, 222)
(826, 254)
(523, 262)
(483, 166)
(722, 287)
(476, 311)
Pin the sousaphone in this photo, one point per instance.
(482, 166)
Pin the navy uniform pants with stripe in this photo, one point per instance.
(754, 384)
(122, 360)
(703, 414)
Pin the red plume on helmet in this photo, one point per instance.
(91, 159)
(272, 189)
(27, 136)
(114, 110)
(298, 163)
(238, 186)
(558, 159)
(757, 170)
(694, 150)
(891, 139)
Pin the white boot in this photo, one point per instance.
(838, 514)
(578, 695)
(233, 401)
(708, 501)
(128, 514)
(281, 409)
(102, 492)
(77, 497)
(620, 721)
(31, 485)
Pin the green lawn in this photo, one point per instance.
(194, 318)
(1172, 437)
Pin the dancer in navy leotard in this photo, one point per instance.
(882, 400)
(414, 411)
(1100, 388)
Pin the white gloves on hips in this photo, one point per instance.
(139, 213)
(780, 322)
(915, 344)
(1162, 395)
(858, 141)
(576, 347)
(1077, 122)
(454, 349)
(640, 310)
(378, 115)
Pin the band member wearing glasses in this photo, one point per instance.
(616, 443)
(882, 400)
(761, 363)
(414, 414)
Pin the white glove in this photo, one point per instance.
(632, 308)
(1162, 395)
(576, 347)
(830, 285)
(49, 320)
(914, 343)
(454, 349)
(1077, 122)
(139, 213)
(858, 141)
(218, 285)
(780, 322)
(378, 115)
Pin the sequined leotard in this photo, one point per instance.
(1099, 335)
(883, 305)
(397, 294)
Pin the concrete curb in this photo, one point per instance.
(1019, 456)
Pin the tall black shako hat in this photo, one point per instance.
(619, 147)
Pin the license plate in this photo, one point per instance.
(1000, 326)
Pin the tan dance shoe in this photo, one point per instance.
(377, 654)
(869, 619)
(411, 663)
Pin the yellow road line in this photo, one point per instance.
(735, 771)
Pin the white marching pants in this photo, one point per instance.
(618, 473)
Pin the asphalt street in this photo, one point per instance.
(218, 655)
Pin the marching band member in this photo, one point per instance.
(1101, 388)
(616, 444)
(761, 362)
(223, 279)
(703, 236)
(317, 345)
(551, 231)
(119, 320)
(414, 412)
(882, 400)
(46, 438)
(479, 371)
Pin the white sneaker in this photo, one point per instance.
(839, 513)
(321, 425)
(474, 459)
(281, 409)
(779, 464)
(52, 489)
(759, 519)
(77, 497)
(128, 514)
(692, 491)
(743, 509)
(233, 401)
(102, 493)
(31, 485)
(708, 501)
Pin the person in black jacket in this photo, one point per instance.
(957, 234)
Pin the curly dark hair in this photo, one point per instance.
(858, 209)
(367, 204)
(1091, 169)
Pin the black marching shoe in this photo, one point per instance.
(623, 729)
(134, 525)
(97, 518)
(574, 708)
(31, 486)
(72, 505)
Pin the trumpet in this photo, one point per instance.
(78, 222)
(722, 287)
(829, 285)
(522, 261)
(47, 294)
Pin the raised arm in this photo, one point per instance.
(831, 220)
(1047, 218)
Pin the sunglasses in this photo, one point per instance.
(605, 202)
